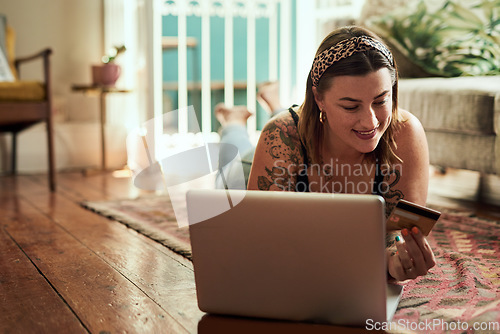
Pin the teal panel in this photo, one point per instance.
(217, 61)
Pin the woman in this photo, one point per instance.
(349, 136)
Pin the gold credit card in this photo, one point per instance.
(407, 214)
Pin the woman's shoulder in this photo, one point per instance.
(281, 120)
(410, 129)
(409, 178)
(277, 155)
(410, 139)
(281, 127)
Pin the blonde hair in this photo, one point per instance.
(361, 63)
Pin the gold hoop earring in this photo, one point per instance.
(322, 117)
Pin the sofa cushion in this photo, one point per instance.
(459, 105)
(22, 91)
(457, 150)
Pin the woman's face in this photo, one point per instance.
(358, 111)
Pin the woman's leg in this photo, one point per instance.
(234, 131)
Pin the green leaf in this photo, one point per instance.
(465, 14)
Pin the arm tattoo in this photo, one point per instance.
(280, 143)
(390, 241)
(276, 176)
(391, 195)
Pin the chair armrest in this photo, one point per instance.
(44, 53)
(45, 56)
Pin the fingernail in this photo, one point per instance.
(414, 230)
(405, 232)
(398, 238)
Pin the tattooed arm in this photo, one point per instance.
(278, 157)
(410, 256)
(409, 179)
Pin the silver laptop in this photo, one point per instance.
(291, 256)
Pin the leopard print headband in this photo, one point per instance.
(345, 49)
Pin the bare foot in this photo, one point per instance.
(268, 96)
(234, 115)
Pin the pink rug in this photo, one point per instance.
(462, 290)
(152, 216)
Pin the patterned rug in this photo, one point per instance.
(152, 216)
(460, 293)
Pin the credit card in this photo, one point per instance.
(407, 214)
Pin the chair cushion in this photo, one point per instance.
(458, 105)
(22, 91)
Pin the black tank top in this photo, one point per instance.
(302, 184)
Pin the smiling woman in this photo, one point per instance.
(350, 117)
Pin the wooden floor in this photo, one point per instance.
(467, 190)
(64, 269)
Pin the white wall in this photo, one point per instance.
(74, 30)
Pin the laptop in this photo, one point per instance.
(305, 257)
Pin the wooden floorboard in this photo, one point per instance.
(113, 278)
(65, 269)
(27, 300)
(100, 186)
(164, 276)
(461, 190)
(103, 298)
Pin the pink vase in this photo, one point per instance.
(105, 74)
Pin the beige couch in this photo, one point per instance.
(461, 117)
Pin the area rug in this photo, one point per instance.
(152, 216)
(460, 293)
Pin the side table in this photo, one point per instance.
(102, 91)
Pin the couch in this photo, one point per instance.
(461, 118)
(454, 92)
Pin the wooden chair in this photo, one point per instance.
(25, 103)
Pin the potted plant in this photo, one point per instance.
(107, 73)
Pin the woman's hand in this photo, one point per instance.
(414, 256)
